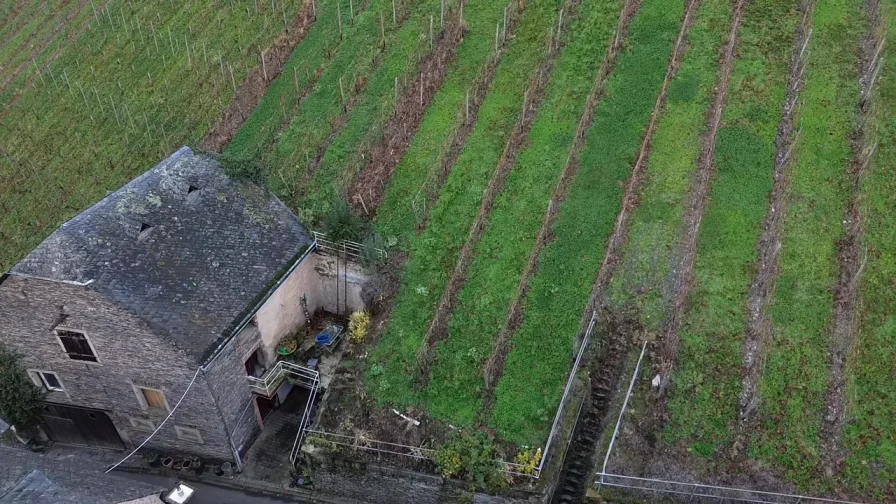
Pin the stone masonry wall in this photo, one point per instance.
(226, 376)
(129, 353)
(357, 482)
(282, 315)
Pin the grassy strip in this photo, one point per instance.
(69, 148)
(16, 46)
(704, 403)
(455, 393)
(58, 42)
(346, 73)
(802, 306)
(871, 429)
(558, 293)
(39, 38)
(342, 161)
(434, 253)
(283, 95)
(646, 259)
(395, 216)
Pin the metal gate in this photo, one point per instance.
(80, 426)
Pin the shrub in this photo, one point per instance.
(245, 168)
(528, 461)
(341, 223)
(471, 457)
(359, 326)
(19, 398)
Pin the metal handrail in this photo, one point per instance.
(349, 249)
(708, 491)
(306, 421)
(272, 379)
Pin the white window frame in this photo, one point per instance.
(86, 337)
(142, 424)
(37, 376)
(191, 434)
(138, 390)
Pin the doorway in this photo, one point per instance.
(80, 426)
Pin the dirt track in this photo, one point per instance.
(684, 274)
(370, 186)
(759, 329)
(851, 256)
(254, 87)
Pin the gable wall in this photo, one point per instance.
(129, 352)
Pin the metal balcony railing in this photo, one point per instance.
(268, 383)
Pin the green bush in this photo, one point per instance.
(19, 398)
(471, 457)
(341, 223)
(245, 168)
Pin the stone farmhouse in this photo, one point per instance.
(171, 293)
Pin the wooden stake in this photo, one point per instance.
(232, 80)
(264, 67)
(394, 14)
(430, 33)
(504, 36)
(295, 78)
(461, 14)
(421, 90)
(497, 32)
(442, 17)
(351, 11)
(468, 106)
(382, 30)
(342, 93)
(396, 91)
(339, 19)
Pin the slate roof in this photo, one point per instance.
(27, 477)
(182, 246)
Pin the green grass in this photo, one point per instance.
(308, 130)
(281, 100)
(455, 391)
(819, 191)
(39, 37)
(433, 254)
(530, 390)
(871, 428)
(16, 49)
(68, 154)
(706, 386)
(58, 42)
(639, 282)
(347, 153)
(395, 215)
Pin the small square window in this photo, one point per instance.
(150, 398)
(76, 345)
(188, 434)
(47, 380)
(142, 425)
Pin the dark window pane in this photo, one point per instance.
(52, 381)
(76, 345)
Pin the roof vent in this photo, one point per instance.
(145, 229)
(192, 189)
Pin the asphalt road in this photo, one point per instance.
(210, 494)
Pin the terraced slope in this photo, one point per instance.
(433, 254)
